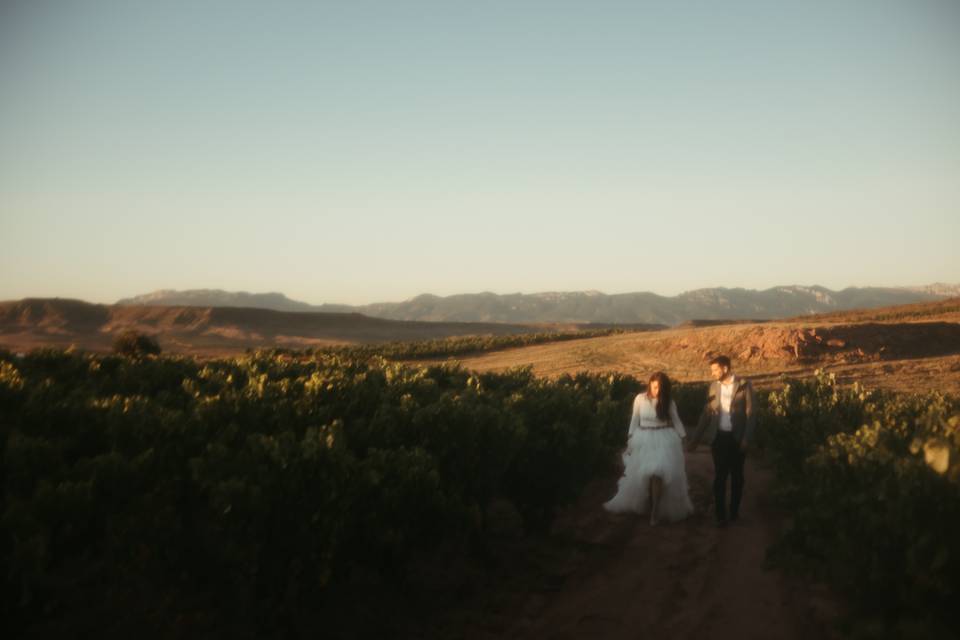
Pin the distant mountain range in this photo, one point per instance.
(582, 306)
(221, 298)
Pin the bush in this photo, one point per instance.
(246, 492)
(135, 344)
(872, 482)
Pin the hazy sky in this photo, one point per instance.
(361, 151)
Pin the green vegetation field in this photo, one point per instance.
(235, 491)
(459, 345)
(164, 496)
(872, 482)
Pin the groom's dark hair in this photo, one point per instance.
(722, 361)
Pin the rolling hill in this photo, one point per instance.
(37, 322)
(906, 348)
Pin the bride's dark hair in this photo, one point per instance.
(663, 398)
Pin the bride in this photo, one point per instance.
(654, 476)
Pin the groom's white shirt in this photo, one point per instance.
(726, 398)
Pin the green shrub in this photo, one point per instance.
(135, 344)
(872, 482)
(241, 491)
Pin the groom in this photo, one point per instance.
(729, 414)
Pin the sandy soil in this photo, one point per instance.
(616, 576)
(914, 356)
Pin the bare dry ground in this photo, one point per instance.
(613, 576)
(904, 355)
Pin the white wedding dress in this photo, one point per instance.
(654, 448)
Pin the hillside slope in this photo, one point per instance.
(915, 347)
(30, 323)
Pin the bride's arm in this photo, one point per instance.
(675, 419)
(635, 417)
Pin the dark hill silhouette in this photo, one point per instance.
(35, 322)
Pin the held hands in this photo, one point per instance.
(691, 446)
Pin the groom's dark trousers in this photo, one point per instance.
(728, 457)
(727, 462)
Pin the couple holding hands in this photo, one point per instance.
(655, 477)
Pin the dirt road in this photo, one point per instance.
(680, 580)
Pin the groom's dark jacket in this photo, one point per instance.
(742, 413)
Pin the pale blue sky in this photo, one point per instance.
(360, 151)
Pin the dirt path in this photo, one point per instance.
(680, 580)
